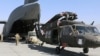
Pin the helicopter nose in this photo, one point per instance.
(93, 41)
(98, 40)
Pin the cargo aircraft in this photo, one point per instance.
(21, 19)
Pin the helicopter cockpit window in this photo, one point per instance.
(81, 29)
(93, 29)
(66, 30)
(85, 29)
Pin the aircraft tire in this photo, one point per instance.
(85, 50)
(57, 50)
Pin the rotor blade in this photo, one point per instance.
(92, 23)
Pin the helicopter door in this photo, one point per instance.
(54, 37)
(66, 34)
(68, 37)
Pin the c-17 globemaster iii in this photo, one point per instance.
(63, 30)
(21, 19)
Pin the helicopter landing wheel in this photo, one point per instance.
(85, 50)
(57, 50)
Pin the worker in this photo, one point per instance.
(17, 38)
(1, 37)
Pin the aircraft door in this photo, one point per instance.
(54, 36)
(66, 34)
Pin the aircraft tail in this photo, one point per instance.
(29, 1)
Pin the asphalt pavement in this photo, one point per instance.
(10, 49)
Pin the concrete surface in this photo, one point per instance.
(10, 49)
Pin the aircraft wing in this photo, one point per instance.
(2, 22)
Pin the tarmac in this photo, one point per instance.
(10, 49)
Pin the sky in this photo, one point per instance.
(87, 10)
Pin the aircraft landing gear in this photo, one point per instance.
(85, 50)
(57, 50)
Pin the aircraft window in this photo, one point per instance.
(48, 34)
(93, 29)
(83, 29)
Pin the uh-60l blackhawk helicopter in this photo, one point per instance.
(63, 30)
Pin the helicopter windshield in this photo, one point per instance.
(83, 29)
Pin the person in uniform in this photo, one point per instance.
(1, 37)
(17, 38)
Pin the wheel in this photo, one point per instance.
(62, 48)
(57, 50)
(85, 50)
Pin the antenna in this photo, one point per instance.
(92, 23)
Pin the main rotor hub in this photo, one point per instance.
(69, 15)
